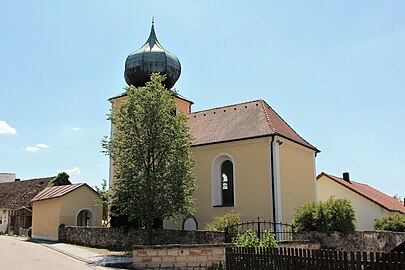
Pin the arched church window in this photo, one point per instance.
(85, 217)
(227, 183)
(190, 224)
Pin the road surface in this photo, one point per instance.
(20, 254)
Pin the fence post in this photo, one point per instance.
(258, 228)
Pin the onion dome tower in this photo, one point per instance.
(151, 58)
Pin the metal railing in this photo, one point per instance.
(282, 231)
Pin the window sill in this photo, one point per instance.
(223, 206)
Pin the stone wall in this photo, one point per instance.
(300, 244)
(362, 240)
(120, 239)
(179, 256)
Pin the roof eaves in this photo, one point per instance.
(125, 94)
(256, 137)
(233, 140)
(118, 96)
(183, 98)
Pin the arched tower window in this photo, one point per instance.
(227, 183)
(223, 181)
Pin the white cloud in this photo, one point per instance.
(42, 145)
(76, 129)
(31, 149)
(36, 147)
(6, 128)
(75, 170)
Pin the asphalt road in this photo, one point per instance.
(19, 254)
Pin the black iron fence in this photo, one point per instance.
(282, 231)
(238, 258)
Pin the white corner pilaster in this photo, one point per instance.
(277, 179)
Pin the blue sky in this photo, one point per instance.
(334, 71)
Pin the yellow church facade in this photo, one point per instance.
(269, 169)
(247, 158)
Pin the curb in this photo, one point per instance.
(67, 254)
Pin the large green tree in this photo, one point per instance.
(150, 150)
(60, 180)
(104, 200)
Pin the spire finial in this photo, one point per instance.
(153, 20)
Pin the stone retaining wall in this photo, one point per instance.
(179, 256)
(120, 239)
(369, 241)
(300, 244)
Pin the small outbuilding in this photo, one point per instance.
(15, 197)
(71, 205)
(368, 203)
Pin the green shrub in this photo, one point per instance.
(220, 266)
(305, 219)
(269, 240)
(395, 223)
(341, 215)
(331, 215)
(221, 222)
(250, 239)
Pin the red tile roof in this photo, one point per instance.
(57, 191)
(14, 195)
(368, 192)
(240, 121)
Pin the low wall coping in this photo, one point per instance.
(181, 246)
(297, 241)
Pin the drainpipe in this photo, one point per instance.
(273, 193)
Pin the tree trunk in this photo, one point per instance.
(150, 232)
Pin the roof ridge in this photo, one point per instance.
(272, 128)
(226, 106)
(28, 180)
(268, 106)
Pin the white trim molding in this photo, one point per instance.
(274, 171)
(92, 217)
(277, 180)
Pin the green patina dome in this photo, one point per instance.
(151, 58)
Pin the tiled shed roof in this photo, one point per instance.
(57, 191)
(368, 192)
(240, 121)
(14, 195)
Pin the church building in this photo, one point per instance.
(248, 159)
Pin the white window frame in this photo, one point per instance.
(216, 179)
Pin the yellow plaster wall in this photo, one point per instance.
(366, 211)
(183, 106)
(81, 198)
(251, 180)
(297, 174)
(45, 219)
